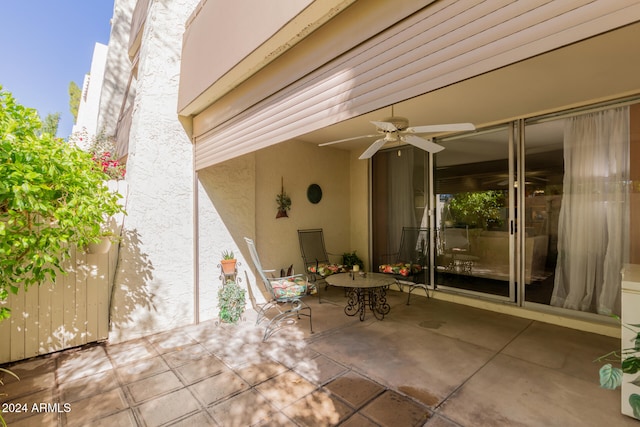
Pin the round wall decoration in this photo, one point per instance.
(314, 193)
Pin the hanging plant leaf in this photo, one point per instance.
(631, 365)
(610, 377)
(634, 401)
(283, 201)
(636, 342)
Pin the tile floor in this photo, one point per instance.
(432, 363)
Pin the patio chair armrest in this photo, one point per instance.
(293, 276)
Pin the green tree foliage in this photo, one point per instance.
(477, 208)
(75, 93)
(52, 196)
(50, 124)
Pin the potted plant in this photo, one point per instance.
(231, 302)
(228, 263)
(351, 259)
(284, 203)
(628, 360)
(103, 243)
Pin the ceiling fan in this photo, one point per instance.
(396, 129)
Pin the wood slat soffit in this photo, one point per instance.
(442, 44)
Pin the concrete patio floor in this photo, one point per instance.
(432, 363)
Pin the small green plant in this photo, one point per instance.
(283, 201)
(629, 362)
(228, 255)
(349, 259)
(231, 302)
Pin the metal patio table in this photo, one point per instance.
(364, 290)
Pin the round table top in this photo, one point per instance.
(371, 280)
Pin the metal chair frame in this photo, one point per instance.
(295, 307)
(313, 253)
(456, 247)
(414, 249)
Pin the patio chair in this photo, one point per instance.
(284, 296)
(315, 257)
(411, 264)
(456, 250)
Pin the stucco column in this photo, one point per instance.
(154, 283)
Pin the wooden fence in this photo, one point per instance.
(70, 312)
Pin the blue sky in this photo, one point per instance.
(46, 44)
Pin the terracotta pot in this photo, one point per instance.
(228, 266)
(282, 214)
(100, 248)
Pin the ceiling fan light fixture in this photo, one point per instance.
(396, 129)
(400, 123)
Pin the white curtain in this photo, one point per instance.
(401, 199)
(593, 226)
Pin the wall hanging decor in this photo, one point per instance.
(284, 202)
(314, 193)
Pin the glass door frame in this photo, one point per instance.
(515, 242)
(517, 212)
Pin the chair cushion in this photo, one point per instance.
(289, 287)
(403, 269)
(325, 270)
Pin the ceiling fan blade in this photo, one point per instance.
(441, 128)
(347, 139)
(373, 148)
(421, 143)
(385, 126)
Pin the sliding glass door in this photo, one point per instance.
(474, 183)
(539, 211)
(400, 196)
(471, 199)
(542, 198)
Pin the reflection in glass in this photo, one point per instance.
(472, 213)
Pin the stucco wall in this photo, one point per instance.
(154, 285)
(237, 199)
(300, 165)
(226, 214)
(117, 67)
(248, 23)
(89, 106)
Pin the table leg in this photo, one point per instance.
(358, 300)
(354, 302)
(378, 303)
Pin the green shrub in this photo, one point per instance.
(231, 302)
(52, 196)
